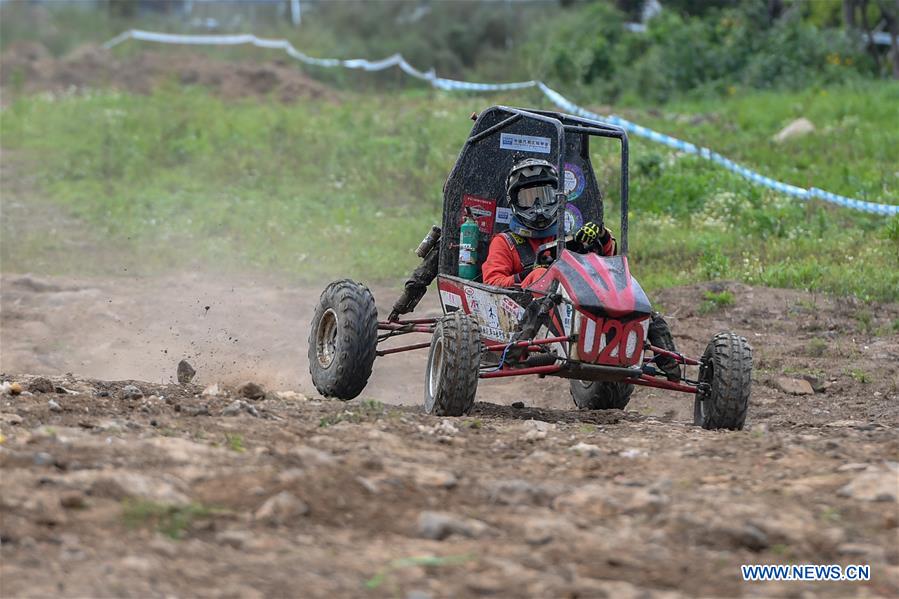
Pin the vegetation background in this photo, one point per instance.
(263, 184)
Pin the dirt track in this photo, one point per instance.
(649, 504)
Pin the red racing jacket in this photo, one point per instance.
(504, 266)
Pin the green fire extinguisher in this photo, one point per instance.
(468, 247)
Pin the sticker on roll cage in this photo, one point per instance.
(574, 181)
(526, 143)
(451, 299)
(573, 218)
(482, 210)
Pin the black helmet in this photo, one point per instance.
(531, 190)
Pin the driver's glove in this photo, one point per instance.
(589, 234)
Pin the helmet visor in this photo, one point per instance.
(531, 196)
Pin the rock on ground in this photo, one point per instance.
(251, 390)
(798, 128)
(793, 386)
(185, 372)
(41, 384)
(281, 509)
(440, 525)
(873, 485)
(131, 392)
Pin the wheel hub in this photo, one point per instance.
(436, 370)
(326, 338)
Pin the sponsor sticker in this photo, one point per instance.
(525, 143)
(504, 215)
(512, 307)
(495, 313)
(482, 209)
(495, 333)
(567, 314)
(491, 316)
(574, 220)
(451, 299)
(575, 182)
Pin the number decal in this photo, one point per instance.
(605, 356)
(605, 341)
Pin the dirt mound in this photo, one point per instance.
(29, 67)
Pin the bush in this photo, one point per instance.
(715, 52)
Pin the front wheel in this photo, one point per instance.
(451, 378)
(725, 378)
(343, 340)
(595, 395)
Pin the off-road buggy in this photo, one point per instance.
(586, 319)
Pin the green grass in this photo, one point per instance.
(235, 442)
(427, 561)
(817, 347)
(367, 410)
(318, 190)
(853, 150)
(860, 376)
(712, 302)
(171, 520)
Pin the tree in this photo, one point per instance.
(886, 13)
(891, 18)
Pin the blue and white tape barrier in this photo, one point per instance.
(555, 97)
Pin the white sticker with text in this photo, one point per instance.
(525, 143)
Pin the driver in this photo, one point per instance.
(531, 190)
(512, 259)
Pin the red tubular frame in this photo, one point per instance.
(427, 325)
(648, 381)
(402, 348)
(413, 325)
(431, 320)
(499, 346)
(408, 327)
(552, 369)
(678, 357)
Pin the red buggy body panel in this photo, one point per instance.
(604, 307)
(597, 284)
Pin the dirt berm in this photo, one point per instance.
(28, 67)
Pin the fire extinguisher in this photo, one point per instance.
(468, 247)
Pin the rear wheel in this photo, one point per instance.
(595, 395)
(725, 377)
(343, 339)
(451, 378)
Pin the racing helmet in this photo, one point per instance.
(531, 191)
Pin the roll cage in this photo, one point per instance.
(479, 172)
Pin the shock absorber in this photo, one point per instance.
(417, 283)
